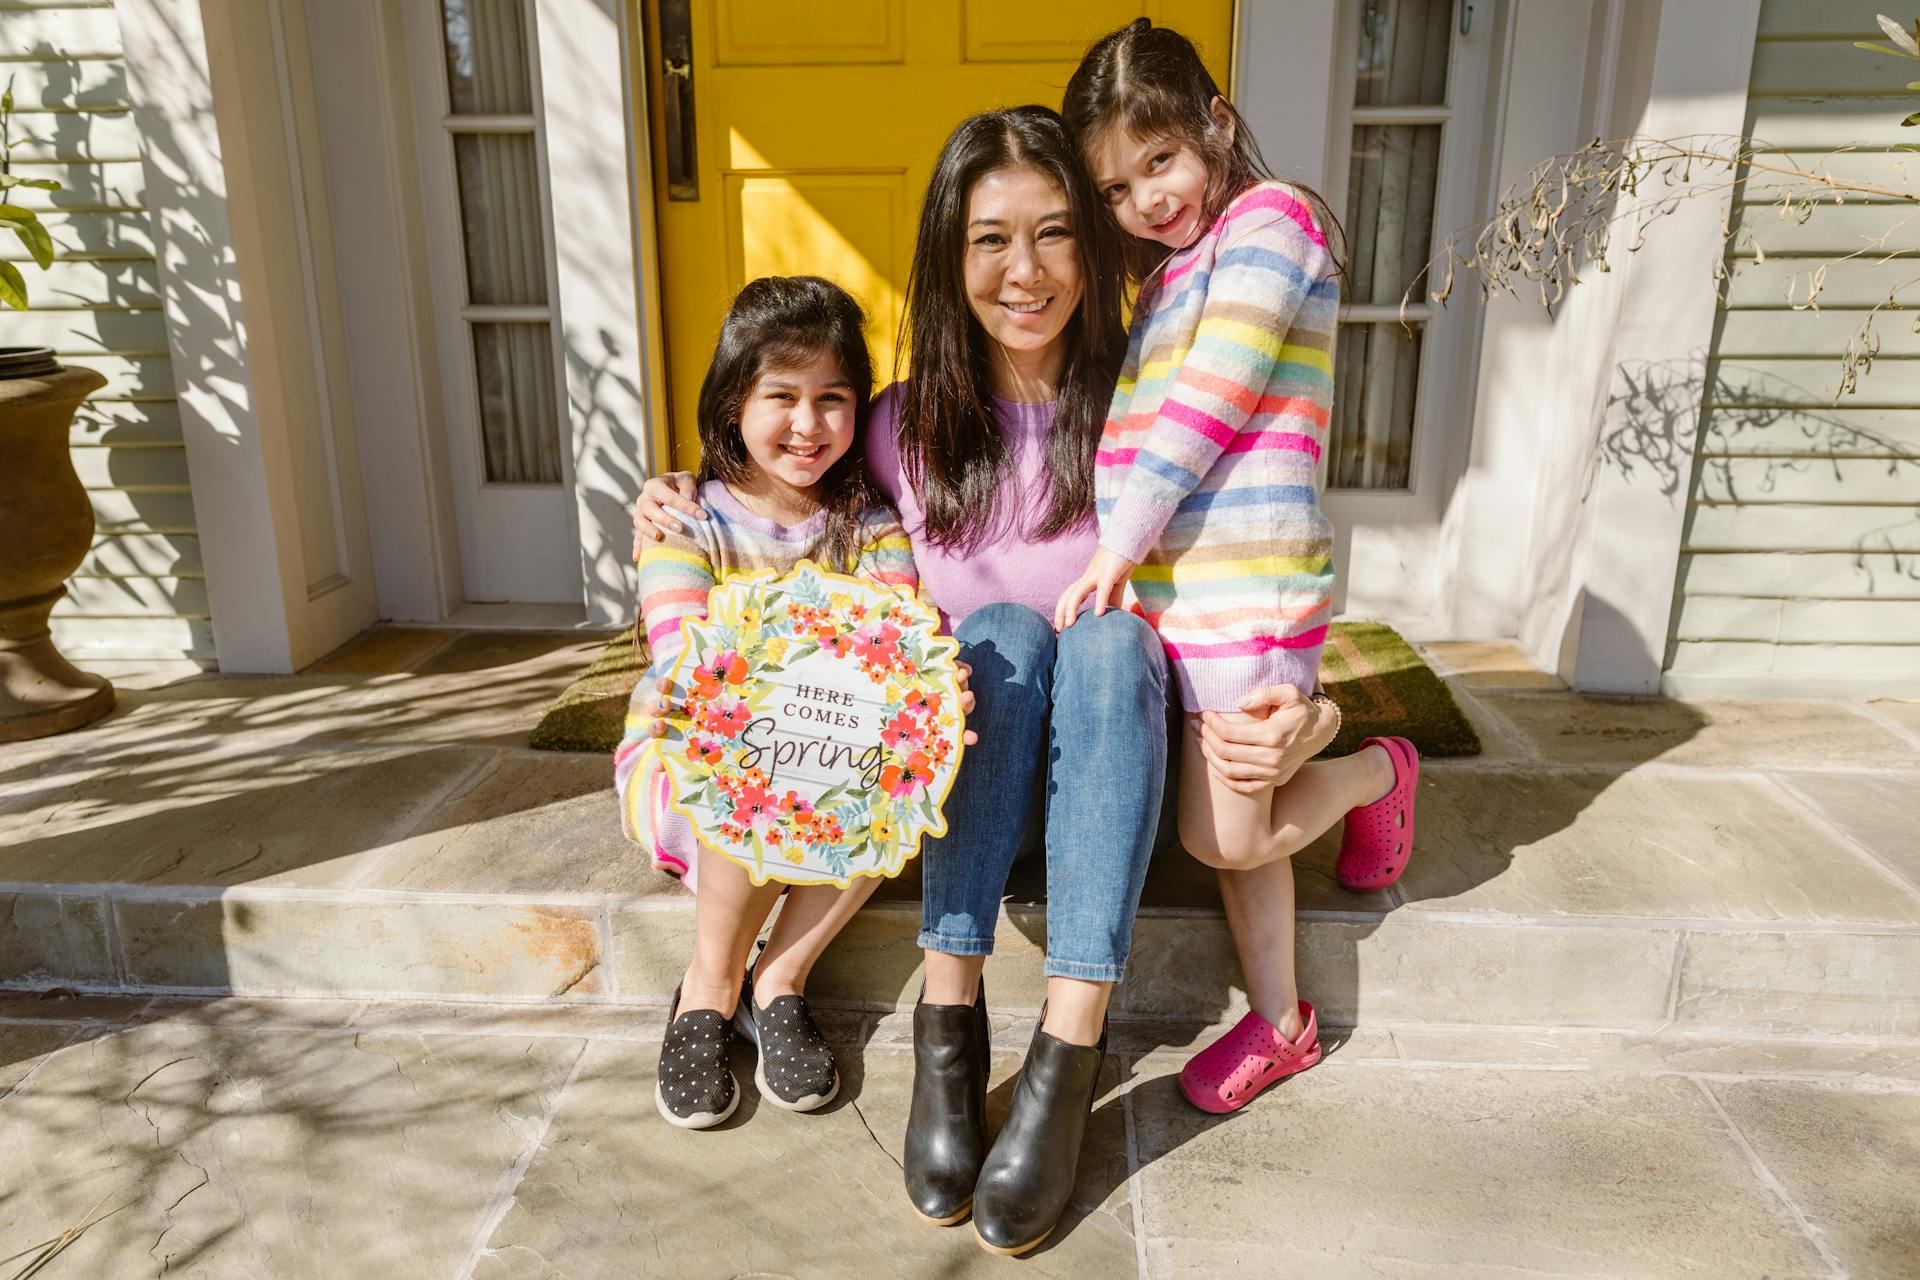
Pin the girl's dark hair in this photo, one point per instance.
(951, 444)
(778, 322)
(1150, 81)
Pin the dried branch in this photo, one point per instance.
(1569, 211)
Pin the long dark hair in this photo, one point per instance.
(1151, 81)
(777, 322)
(951, 445)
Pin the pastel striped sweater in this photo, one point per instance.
(675, 576)
(1206, 470)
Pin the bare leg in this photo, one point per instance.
(810, 918)
(952, 979)
(1225, 829)
(1076, 1009)
(727, 915)
(1251, 840)
(1260, 910)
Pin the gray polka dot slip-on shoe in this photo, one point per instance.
(796, 1071)
(695, 1087)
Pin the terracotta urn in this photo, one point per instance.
(46, 527)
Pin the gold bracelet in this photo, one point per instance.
(1325, 701)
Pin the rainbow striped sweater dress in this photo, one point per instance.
(1206, 471)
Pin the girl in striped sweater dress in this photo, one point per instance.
(780, 414)
(1209, 509)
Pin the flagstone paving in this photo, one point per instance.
(296, 1138)
(1646, 1003)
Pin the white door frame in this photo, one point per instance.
(1389, 541)
(516, 540)
(393, 191)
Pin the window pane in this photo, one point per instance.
(519, 422)
(1377, 369)
(1403, 53)
(500, 217)
(1390, 188)
(487, 65)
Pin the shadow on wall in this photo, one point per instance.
(144, 563)
(608, 561)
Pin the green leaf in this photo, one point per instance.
(35, 238)
(6, 99)
(39, 184)
(1877, 48)
(19, 212)
(1911, 121)
(13, 287)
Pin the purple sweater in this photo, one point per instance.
(1007, 565)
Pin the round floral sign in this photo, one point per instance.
(817, 725)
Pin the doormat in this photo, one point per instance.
(1381, 684)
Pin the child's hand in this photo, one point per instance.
(651, 522)
(662, 704)
(966, 700)
(1106, 573)
(1276, 730)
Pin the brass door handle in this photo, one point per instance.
(676, 88)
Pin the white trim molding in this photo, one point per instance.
(245, 263)
(601, 185)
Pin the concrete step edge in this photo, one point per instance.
(1428, 967)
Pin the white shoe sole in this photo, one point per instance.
(699, 1119)
(812, 1102)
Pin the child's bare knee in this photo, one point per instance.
(1204, 842)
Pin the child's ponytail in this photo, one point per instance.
(1152, 82)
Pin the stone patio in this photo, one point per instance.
(1646, 1003)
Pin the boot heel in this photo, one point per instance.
(1028, 1177)
(947, 1121)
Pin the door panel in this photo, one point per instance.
(816, 126)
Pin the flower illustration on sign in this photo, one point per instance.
(818, 736)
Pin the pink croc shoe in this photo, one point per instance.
(1231, 1072)
(1378, 838)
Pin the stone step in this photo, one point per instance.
(1403, 965)
(1729, 867)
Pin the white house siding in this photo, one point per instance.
(1800, 567)
(140, 593)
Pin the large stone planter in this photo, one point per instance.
(46, 526)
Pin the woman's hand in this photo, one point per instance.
(1105, 575)
(1277, 730)
(651, 522)
(966, 700)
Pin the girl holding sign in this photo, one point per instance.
(781, 413)
(1209, 504)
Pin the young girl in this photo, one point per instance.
(780, 416)
(1208, 506)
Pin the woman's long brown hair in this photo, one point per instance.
(951, 444)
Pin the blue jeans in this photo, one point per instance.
(1073, 723)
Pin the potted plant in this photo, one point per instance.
(46, 522)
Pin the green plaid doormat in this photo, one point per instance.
(1381, 684)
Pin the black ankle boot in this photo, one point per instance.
(1028, 1176)
(947, 1121)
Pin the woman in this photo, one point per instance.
(987, 450)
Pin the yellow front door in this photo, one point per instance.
(795, 137)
